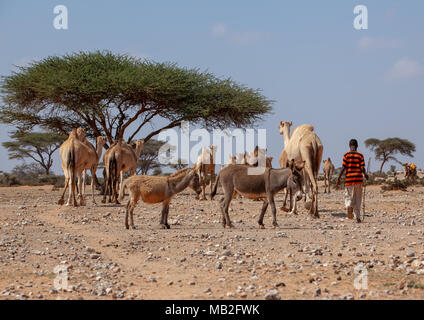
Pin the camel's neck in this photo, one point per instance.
(138, 151)
(286, 137)
(99, 150)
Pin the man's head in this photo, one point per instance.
(353, 144)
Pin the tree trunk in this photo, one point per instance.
(382, 164)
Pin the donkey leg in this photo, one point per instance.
(127, 213)
(261, 217)
(226, 204)
(164, 215)
(274, 210)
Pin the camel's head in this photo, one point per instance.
(81, 133)
(101, 141)
(285, 125)
(295, 181)
(233, 159)
(139, 144)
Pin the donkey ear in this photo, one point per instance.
(291, 165)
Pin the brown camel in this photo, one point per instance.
(74, 155)
(328, 173)
(235, 178)
(155, 189)
(119, 158)
(93, 160)
(304, 145)
(206, 165)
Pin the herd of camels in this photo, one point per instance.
(299, 166)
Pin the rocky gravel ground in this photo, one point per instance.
(49, 251)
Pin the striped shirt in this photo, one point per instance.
(353, 162)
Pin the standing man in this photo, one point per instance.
(354, 166)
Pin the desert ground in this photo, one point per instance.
(197, 258)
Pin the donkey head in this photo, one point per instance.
(295, 181)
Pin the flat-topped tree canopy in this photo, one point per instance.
(106, 93)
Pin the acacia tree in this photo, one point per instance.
(386, 150)
(113, 94)
(38, 146)
(149, 157)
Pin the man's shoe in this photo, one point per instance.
(350, 213)
(358, 220)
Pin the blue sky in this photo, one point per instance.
(305, 55)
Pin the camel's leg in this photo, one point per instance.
(204, 187)
(62, 198)
(261, 217)
(164, 215)
(212, 180)
(106, 181)
(72, 196)
(93, 174)
(325, 183)
(80, 188)
(329, 183)
(115, 191)
(70, 182)
(84, 176)
(314, 205)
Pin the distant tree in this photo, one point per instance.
(392, 169)
(38, 146)
(157, 172)
(112, 94)
(149, 157)
(179, 165)
(28, 171)
(386, 150)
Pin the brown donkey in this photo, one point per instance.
(155, 189)
(259, 186)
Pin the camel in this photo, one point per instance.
(93, 160)
(328, 173)
(232, 160)
(235, 178)
(206, 165)
(304, 145)
(155, 189)
(74, 155)
(119, 158)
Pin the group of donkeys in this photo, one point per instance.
(252, 182)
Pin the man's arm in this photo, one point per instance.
(364, 172)
(340, 176)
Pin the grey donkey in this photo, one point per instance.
(238, 178)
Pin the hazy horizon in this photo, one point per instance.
(304, 55)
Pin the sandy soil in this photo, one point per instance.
(303, 258)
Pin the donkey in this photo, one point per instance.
(155, 189)
(258, 186)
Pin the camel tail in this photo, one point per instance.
(71, 166)
(215, 187)
(122, 190)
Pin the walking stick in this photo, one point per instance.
(365, 186)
